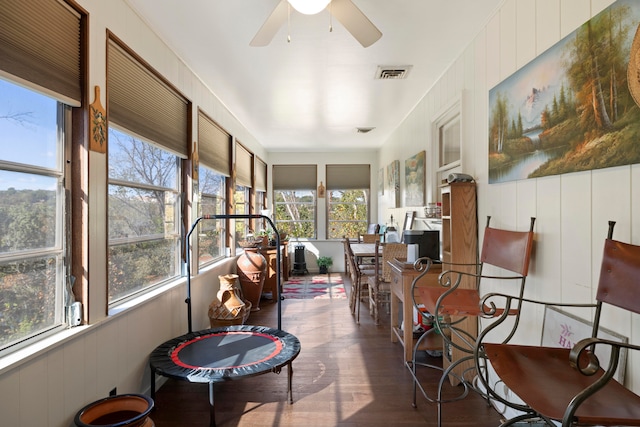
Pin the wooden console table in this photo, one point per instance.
(402, 275)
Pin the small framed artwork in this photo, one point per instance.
(414, 175)
(393, 183)
(561, 329)
(408, 220)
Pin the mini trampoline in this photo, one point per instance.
(225, 354)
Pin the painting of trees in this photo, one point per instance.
(570, 108)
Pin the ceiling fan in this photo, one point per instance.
(352, 18)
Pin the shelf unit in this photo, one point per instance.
(460, 246)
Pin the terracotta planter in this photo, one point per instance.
(251, 271)
(229, 309)
(125, 410)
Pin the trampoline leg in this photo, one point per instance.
(290, 375)
(212, 407)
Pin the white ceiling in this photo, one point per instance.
(312, 93)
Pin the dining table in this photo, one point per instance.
(363, 250)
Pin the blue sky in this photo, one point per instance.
(30, 141)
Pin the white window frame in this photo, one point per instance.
(171, 229)
(217, 225)
(364, 222)
(450, 117)
(313, 204)
(60, 249)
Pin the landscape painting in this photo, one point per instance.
(570, 109)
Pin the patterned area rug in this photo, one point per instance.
(315, 287)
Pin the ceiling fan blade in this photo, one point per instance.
(271, 26)
(355, 22)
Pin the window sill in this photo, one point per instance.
(30, 352)
(23, 355)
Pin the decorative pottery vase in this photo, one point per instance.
(230, 308)
(125, 410)
(251, 271)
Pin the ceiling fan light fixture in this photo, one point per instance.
(309, 7)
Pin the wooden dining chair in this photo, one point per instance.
(455, 305)
(370, 238)
(380, 284)
(568, 385)
(359, 281)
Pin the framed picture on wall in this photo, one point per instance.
(414, 175)
(393, 183)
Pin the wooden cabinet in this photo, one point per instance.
(402, 275)
(269, 254)
(460, 245)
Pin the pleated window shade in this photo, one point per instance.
(348, 177)
(214, 145)
(244, 166)
(294, 177)
(40, 44)
(139, 101)
(261, 175)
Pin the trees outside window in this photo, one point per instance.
(143, 215)
(295, 212)
(242, 206)
(212, 201)
(348, 213)
(32, 212)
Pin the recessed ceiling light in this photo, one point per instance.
(364, 130)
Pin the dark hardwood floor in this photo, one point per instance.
(346, 375)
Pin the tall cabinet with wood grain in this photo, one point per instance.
(459, 245)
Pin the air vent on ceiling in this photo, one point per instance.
(364, 130)
(393, 72)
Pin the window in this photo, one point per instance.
(241, 206)
(148, 138)
(296, 212)
(347, 200)
(446, 141)
(260, 187)
(449, 142)
(348, 213)
(144, 207)
(32, 213)
(294, 197)
(214, 148)
(46, 56)
(211, 236)
(244, 180)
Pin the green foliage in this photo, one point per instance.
(325, 261)
(295, 213)
(348, 213)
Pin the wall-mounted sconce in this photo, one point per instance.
(321, 191)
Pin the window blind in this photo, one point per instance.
(294, 177)
(40, 42)
(214, 145)
(141, 102)
(244, 165)
(348, 177)
(261, 175)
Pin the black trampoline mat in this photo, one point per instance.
(222, 354)
(234, 349)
